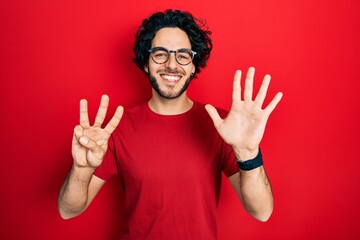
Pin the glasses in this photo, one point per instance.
(161, 55)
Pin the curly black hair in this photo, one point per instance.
(198, 34)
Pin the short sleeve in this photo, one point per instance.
(229, 165)
(108, 167)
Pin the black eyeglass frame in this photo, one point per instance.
(193, 53)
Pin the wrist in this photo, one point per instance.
(251, 164)
(81, 172)
(242, 154)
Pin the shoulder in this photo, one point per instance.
(135, 111)
(131, 116)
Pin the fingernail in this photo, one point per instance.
(84, 140)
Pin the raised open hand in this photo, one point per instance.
(244, 126)
(90, 143)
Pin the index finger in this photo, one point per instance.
(236, 93)
(110, 127)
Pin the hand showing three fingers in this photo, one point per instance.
(90, 143)
(244, 126)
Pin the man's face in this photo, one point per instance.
(170, 80)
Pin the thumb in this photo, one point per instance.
(214, 115)
(91, 145)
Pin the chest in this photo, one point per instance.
(180, 153)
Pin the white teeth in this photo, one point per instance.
(171, 78)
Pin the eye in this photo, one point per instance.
(160, 54)
(184, 54)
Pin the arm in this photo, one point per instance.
(89, 146)
(77, 192)
(254, 191)
(243, 129)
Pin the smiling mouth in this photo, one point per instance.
(171, 78)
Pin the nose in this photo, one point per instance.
(172, 63)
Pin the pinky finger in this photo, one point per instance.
(272, 105)
(78, 132)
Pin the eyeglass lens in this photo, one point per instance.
(161, 55)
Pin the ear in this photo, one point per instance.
(193, 69)
(146, 68)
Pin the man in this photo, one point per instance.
(167, 152)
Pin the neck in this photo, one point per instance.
(174, 106)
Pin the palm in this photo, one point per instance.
(90, 143)
(244, 126)
(87, 156)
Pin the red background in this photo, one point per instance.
(53, 53)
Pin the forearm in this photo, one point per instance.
(255, 188)
(73, 196)
(256, 194)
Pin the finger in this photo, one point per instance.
(260, 97)
(236, 94)
(100, 116)
(90, 144)
(110, 127)
(84, 116)
(78, 132)
(214, 115)
(249, 81)
(273, 103)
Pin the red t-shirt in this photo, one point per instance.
(170, 168)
